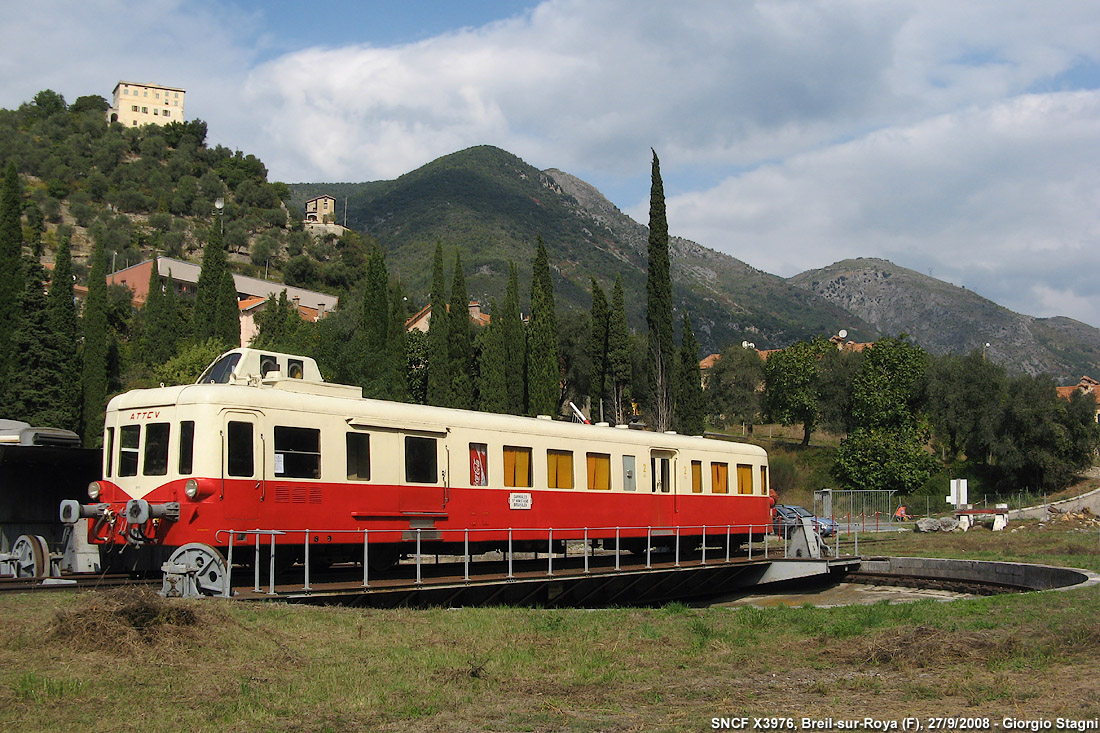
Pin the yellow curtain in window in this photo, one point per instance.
(696, 477)
(719, 478)
(744, 478)
(599, 471)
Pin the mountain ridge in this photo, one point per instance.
(491, 205)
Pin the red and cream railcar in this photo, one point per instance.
(286, 451)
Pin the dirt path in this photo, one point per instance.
(1091, 501)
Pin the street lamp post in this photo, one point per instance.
(219, 204)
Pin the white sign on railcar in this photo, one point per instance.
(519, 501)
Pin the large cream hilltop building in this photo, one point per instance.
(135, 104)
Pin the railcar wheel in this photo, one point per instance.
(211, 564)
(32, 556)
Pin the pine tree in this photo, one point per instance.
(659, 307)
(439, 362)
(11, 266)
(493, 390)
(97, 348)
(690, 406)
(597, 352)
(63, 321)
(543, 370)
(619, 355)
(513, 341)
(460, 341)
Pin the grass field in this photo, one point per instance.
(132, 661)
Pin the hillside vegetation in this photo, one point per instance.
(491, 206)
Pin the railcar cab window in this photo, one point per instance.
(297, 452)
(220, 371)
(421, 460)
(128, 445)
(156, 449)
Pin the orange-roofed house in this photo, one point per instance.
(1088, 386)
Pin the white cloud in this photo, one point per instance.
(971, 195)
(943, 135)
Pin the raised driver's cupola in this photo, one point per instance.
(241, 366)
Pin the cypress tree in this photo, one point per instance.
(543, 370)
(460, 342)
(157, 343)
(619, 356)
(658, 288)
(399, 388)
(63, 321)
(37, 393)
(514, 344)
(216, 314)
(227, 316)
(493, 392)
(690, 406)
(11, 266)
(439, 362)
(375, 321)
(96, 349)
(597, 352)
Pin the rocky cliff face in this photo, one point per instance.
(945, 318)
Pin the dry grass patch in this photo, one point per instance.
(127, 619)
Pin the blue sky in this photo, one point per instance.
(957, 139)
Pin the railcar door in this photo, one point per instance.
(425, 472)
(242, 465)
(662, 485)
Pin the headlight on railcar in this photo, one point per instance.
(93, 490)
(191, 488)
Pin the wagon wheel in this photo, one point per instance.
(212, 567)
(31, 555)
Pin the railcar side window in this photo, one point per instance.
(479, 464)
(696, 477)
(187, 446)
(744, 478)
(156, 449)
(108, 453)
(559, 469)
(358, 456)
(599, 471)
(297, 452)
(719, 478)
(517, 466)
(630, 481)
(764, 480)
(241, 462)
(129, 440)
(421, 460)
